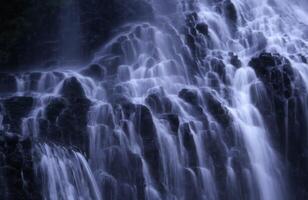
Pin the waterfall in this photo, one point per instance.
(207, 101)
(70, 35)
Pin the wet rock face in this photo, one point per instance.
(189, 144)
(126, 170)
(217, 108)
(158, 102)
(276, 72)
(16, 168)
(147, 130)
(65, 118)
(196, 35)
(285, 90)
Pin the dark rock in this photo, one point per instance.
(54, 108)
(158, 102)
(262, 62)
(218, 66)
(126, 168)
(191, 18)
(235, 61)
(190, 41)
(124, 104)
(191, 188)
(217, 108)
(144, 123)
(202, 28)
(230, 11)
(189, 144)
(154, 101)
(72, 124)
(94, 71)
(276, 73)
(8, 83)
(213, 80)
(16, 168)
(15, 109)
(303, 58)
(173, 121)
(284, 89)
(11, 139)
(65, 118)
(218, 155)
(146, 129)
(190, 96)
(72, 89)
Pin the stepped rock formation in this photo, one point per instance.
(193, 99)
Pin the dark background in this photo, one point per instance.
(30, 29)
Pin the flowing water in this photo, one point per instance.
(169, 116)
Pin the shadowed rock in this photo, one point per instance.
(72, 89)
(95, 71)
(18, 179)
(8, 83)
(16, 108)
(190, 96)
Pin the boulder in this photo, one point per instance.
(72, 89)
(94, 71)
(189, 95)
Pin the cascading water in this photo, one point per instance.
(206, 101)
